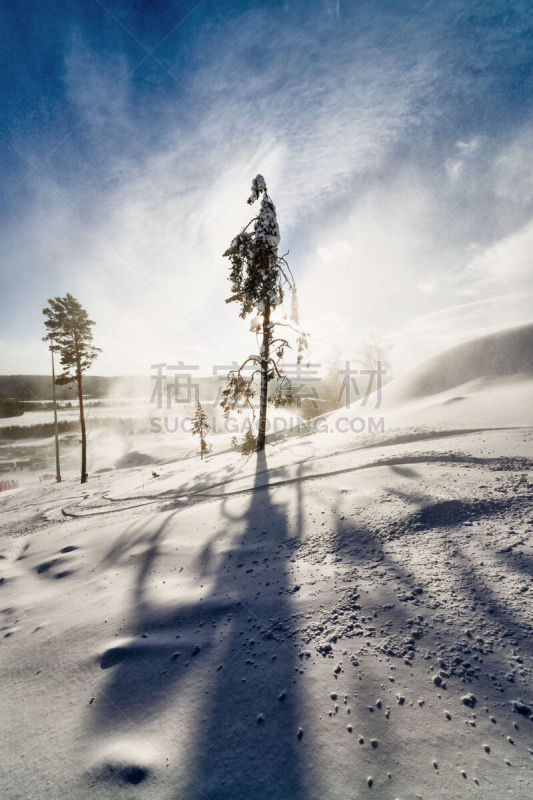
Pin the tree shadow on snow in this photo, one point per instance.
(470, 633)
(248, 744)
(226, 655)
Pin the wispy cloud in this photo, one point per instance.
(386, 208)
(423, 336)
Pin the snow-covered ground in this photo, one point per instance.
(122, 434)
(136, 408)
(343, 616)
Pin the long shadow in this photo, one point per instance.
(470, 638)
(495, 610)
(451, 513)
(482, 610)
(249, 744)
(141, 681)
(229, 653)
(196, 491)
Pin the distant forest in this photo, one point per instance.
(39, 387)
(20, 393)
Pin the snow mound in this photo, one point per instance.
(507, 354)
(486, 382)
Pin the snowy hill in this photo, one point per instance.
(340, 617)
(484, 382)
(506, 354)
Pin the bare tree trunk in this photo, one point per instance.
(56, 431)
(82, 424)
(265, 353)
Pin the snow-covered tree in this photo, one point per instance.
(259, 276)
(200, 427)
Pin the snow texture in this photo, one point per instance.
(266, 227)
(339, 616)
(258, 186)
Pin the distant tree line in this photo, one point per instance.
(37, 388)
(130, 426)
(10, 407)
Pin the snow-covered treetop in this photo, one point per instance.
(266, 228)
(258, 186)
(256, 274)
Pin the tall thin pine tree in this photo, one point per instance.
(70, 329)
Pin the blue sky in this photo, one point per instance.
(395, 137)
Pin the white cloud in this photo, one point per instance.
(412, 253)
(143, 249)
(376, 240)
(425, 335)
(503, 265)
(463, 153)
(427, 287)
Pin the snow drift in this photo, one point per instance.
(326, 619)
(484, 382)
(507, 354)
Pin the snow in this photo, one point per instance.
(94, 410)
(304, 623)
(484, 382)
(266, 227)
(258, 186)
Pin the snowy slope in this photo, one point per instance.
(487, 381)
(343, 617)
(505, 354)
